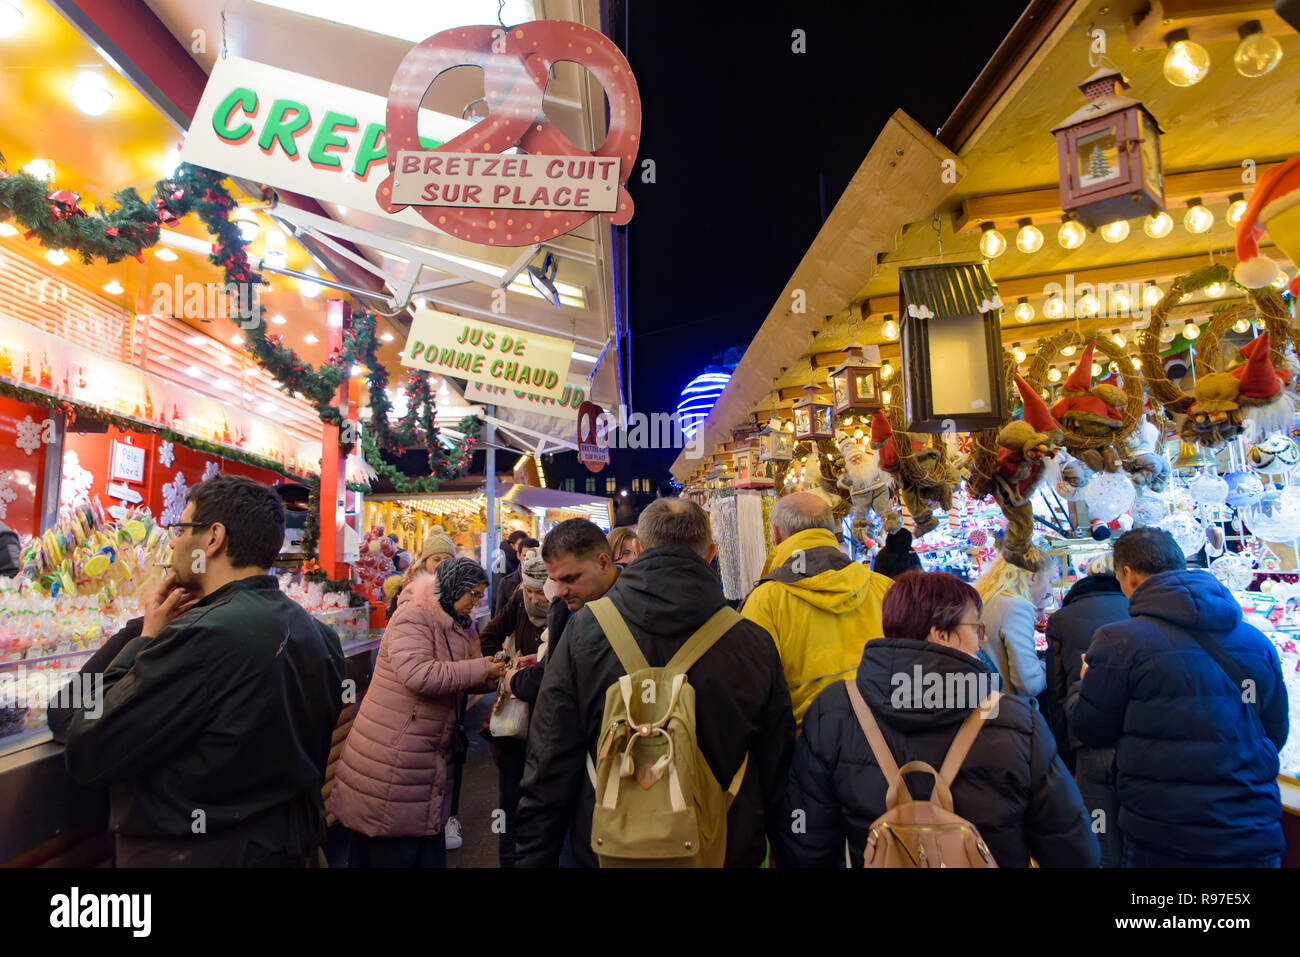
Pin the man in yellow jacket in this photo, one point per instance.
(819, 606)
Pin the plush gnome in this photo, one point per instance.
(868, 488)
(939, 476)
(1274, 206)
(1091, 410)
(1141, 457)
(1265, 406)
(1215, 415)
(1024, 445)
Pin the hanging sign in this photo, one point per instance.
(127, 462)
(593, 451)
(566, 407)
(489, 354)
(434, 178)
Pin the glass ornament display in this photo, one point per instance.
(1244, 489)
(1233, 571)
(1276, 516)
(1187, 532)
(1148, 509)
(1208, 489)
(1108, 496)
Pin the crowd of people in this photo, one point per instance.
(1148, 736)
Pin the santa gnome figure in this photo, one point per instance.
(1024, 446)
(1091, 410)
(935, 488)
(1273, 206)
(868, 488)
(1265, 405)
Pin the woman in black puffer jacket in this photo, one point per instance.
(1012, 785)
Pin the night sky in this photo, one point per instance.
(740, 128)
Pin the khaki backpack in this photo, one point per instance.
(657, 802)
(922, 833)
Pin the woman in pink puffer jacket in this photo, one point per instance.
(392, 788)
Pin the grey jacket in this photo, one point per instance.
(1009, 641)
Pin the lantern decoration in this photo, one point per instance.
(951, 323)
(775, 444)
(855, 383)
(812, 416)
(750, 470)
(1109, 155)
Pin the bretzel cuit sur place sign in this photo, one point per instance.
(593, 447)
(465, 187)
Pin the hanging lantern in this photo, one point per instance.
(855, 383)
(812, 416)
(952, 349)
(1109, 154)
(750, 472)
(775, 444)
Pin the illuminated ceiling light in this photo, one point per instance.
(1120, 301)
(1054, 308)
(41, 169)
(1236, 208)
(1151, 295)
(1282, 279)
(197, 340)
(1158, 225)
(1071, 234)
(1257, 53)
(246, 221)
(236, 340)
(278, 319)
(1067, 351)
(1241, 325)
(1191, 330)
(274, 239)
(386, 337)
(267, 406)
(1137, 361)
(1186, 63)
(7, 229)
(420, 302)
(1018, 353)
(90, 93)
(310, 339)
(1024, 311)
(1087, 305)
(276, 257)
(886, 371)
(1197, 219)
(889, 329)
(308, 288)
(11, 20)
(886, 395)
(1216, 289)
(193, 372)
(165, 254)
(992, 243)
(171, 160)
(57, 256)
(1096, 370)
(1029, 239)
(113, 287)
(1115, 232)
(222, 357)
(583, 357)
(1053, 374)
(358, 369)
(1117, 337)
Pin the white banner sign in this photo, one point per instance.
(478, 181)
(565, 408)
(490, 354)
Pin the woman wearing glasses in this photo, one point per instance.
(919, 684)
(393, 788)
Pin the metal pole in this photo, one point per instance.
(490, 519)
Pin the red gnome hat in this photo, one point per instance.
(1035, 411)
(882, 440)
(1080, 379)
(1277, 191)
(1258, 378)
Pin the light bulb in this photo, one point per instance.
(1151, 295)
(1241, 325)
(247, 224)
(1197, 219)
(1096, 370)
(1019, 355)
(890, 329)
(1114, 367)
(1137, 361)
(1216, 289)
(885, 395)
(1086, 305)
(165, 254)
(90, 93)
(11, 20)
(386, 337)
(170, 162)
(278, 319)
(1236, 209)
(274, 239)
(992, 243)
(857, 434)
(1071, 235)
(113, 287)
(1167, 334)
(1054, 308)
(275, 257)
(7, 229)
(1158, 225)
(1053, 374)
(1118, 339)
(57, 256)
(1024, 311)
(308, 288)
(41, 169)
(310, 339)
(1120, 303)
(1186, 63)
(1257, 53)
(886, 371)
(1115, 232)
(1282, 279)
(1067, 351)
(1191, 330)
(1030, 238)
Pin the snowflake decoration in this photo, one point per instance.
(7, 493)
(75, 488)
(174, 493)
(166, 453)
(210, 470)
(29, 435)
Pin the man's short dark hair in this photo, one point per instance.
(252, 514)
(674, 521)
(531, 543)
(516, 535)
(577, 537)
(1149, 551)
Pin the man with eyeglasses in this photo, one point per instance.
(215, 725)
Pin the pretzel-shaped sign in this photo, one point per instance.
(516, 66)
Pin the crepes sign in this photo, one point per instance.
(484, 352)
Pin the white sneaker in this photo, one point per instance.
(452, 830)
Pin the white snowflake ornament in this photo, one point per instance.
(166, 453)
(174, 493)
(7, 493)
(29, 435)
(75, 488)
(210, 470)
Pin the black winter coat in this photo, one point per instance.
(527, 682)
(1092, 602)
(741, 700)
(1012, 786)
(1196, 769)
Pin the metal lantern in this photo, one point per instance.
(750, 470)
(775, 444)
(1109, 154)
(952, 349)
(855, 383)
(812, 416)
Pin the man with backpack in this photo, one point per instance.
(667, 704)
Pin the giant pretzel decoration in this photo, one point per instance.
(516, 65)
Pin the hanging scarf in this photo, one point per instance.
(457, 577)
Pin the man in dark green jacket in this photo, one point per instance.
(216, 722)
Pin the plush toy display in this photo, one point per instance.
(937, 476)
(1024, 446)
(1091, 410)
(1274, 205)
(868, 487)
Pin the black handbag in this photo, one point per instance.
(459, 753)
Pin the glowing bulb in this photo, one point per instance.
(386, 337)
(247, 224)
(1024, 311)
(1113, 367)
(276, 257)
(11, 20)
(1071, 235)
(1067, 351)
(1030, 238)
(310, 339)
(1167, 334)
(308, 288)
(885, 395)
(41, 169)
(889, 330)
(1282, 279)
(278, 319)
(1191, 330)
(857, 434)
(1241, 325)
(170, 161)
(1236, 209)
(274, 239)
(7, 229)
(1053, 374)
(57, 256)
(1115, 232)
(1216, 289)
(1137, 361)
(1087, 305)
(1019, 355)
(1120, 302)
(1096, 370)
(1186, 63)
(165, 254)
(1152, 295)
(1118, 339)
(90, 93)
(236, 340)
(992, 243)
(1257, 53)
(1054, 308)
(1197, 219)
(886, 371)
(113, 287)
(1158, 225)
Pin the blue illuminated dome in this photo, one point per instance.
(698, 399)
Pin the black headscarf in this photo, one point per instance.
(456, 577)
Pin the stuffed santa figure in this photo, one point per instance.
(1024, 446)
(868, 488)
(1091, 410)
(939, 475)
(1215, 415)
(1273, 206)
(1265, 406)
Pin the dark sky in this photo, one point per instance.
(729, 112)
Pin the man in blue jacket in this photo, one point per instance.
(1192, 699)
